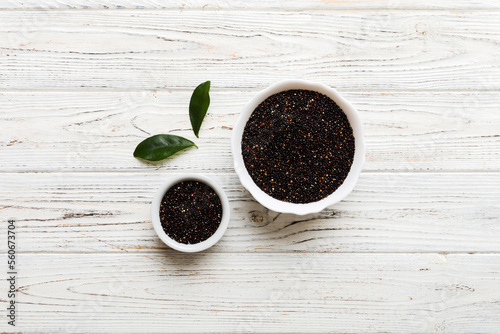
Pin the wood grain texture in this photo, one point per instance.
(349, 293)
(98, 131)
(387, 212)
(248, 4)
(352, 50)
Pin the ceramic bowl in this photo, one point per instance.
(155, 213)
(298, 208)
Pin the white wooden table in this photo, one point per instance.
(415, 247)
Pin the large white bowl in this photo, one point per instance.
(155, 213)
(297, 208)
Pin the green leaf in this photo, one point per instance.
(198, 106)
(160, 147)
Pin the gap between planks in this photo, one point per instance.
(161, 170)
(171, 251)
(240, 90)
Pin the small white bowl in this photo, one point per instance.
(155, 213)
(298, 208)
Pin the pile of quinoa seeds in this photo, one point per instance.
(190, 212)
(298, 146)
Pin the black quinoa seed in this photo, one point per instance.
(190, 212)
(298, 146)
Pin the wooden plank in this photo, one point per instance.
(352, 50)
(247, 5)
(387, 212)
(126, 293)
(98, 131)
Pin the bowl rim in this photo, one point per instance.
(299, 208)
(155, 213)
